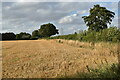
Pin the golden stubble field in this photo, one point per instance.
(54, 58)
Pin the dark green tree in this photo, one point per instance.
(47, 30)
(0, 37)
(23, 36)
(35, 34)
(8, 36)
(98, 18)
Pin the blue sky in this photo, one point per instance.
(20, 16)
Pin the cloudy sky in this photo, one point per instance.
(28, 16)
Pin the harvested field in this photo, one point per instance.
(54, 58)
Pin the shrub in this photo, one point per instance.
(111, 34)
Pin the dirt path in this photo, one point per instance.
(48, 58)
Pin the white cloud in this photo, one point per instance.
(21, 0)
(28, 16)
(67, 19)
(7, 7)
(82, 12)
(74, 18)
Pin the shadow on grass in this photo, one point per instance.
(111, 73)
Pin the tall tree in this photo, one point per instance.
(47, 30)
(99, 18)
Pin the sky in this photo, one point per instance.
(19, 16)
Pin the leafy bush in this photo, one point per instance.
(111, 34)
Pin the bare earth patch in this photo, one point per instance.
(50, 58)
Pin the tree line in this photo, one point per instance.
(46, 30)
(97, 22)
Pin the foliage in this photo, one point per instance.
(99, 18)
(47, 30)
(23, 36)
(0, 37)
(111, 34)
(8, 36)
(35, 34)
